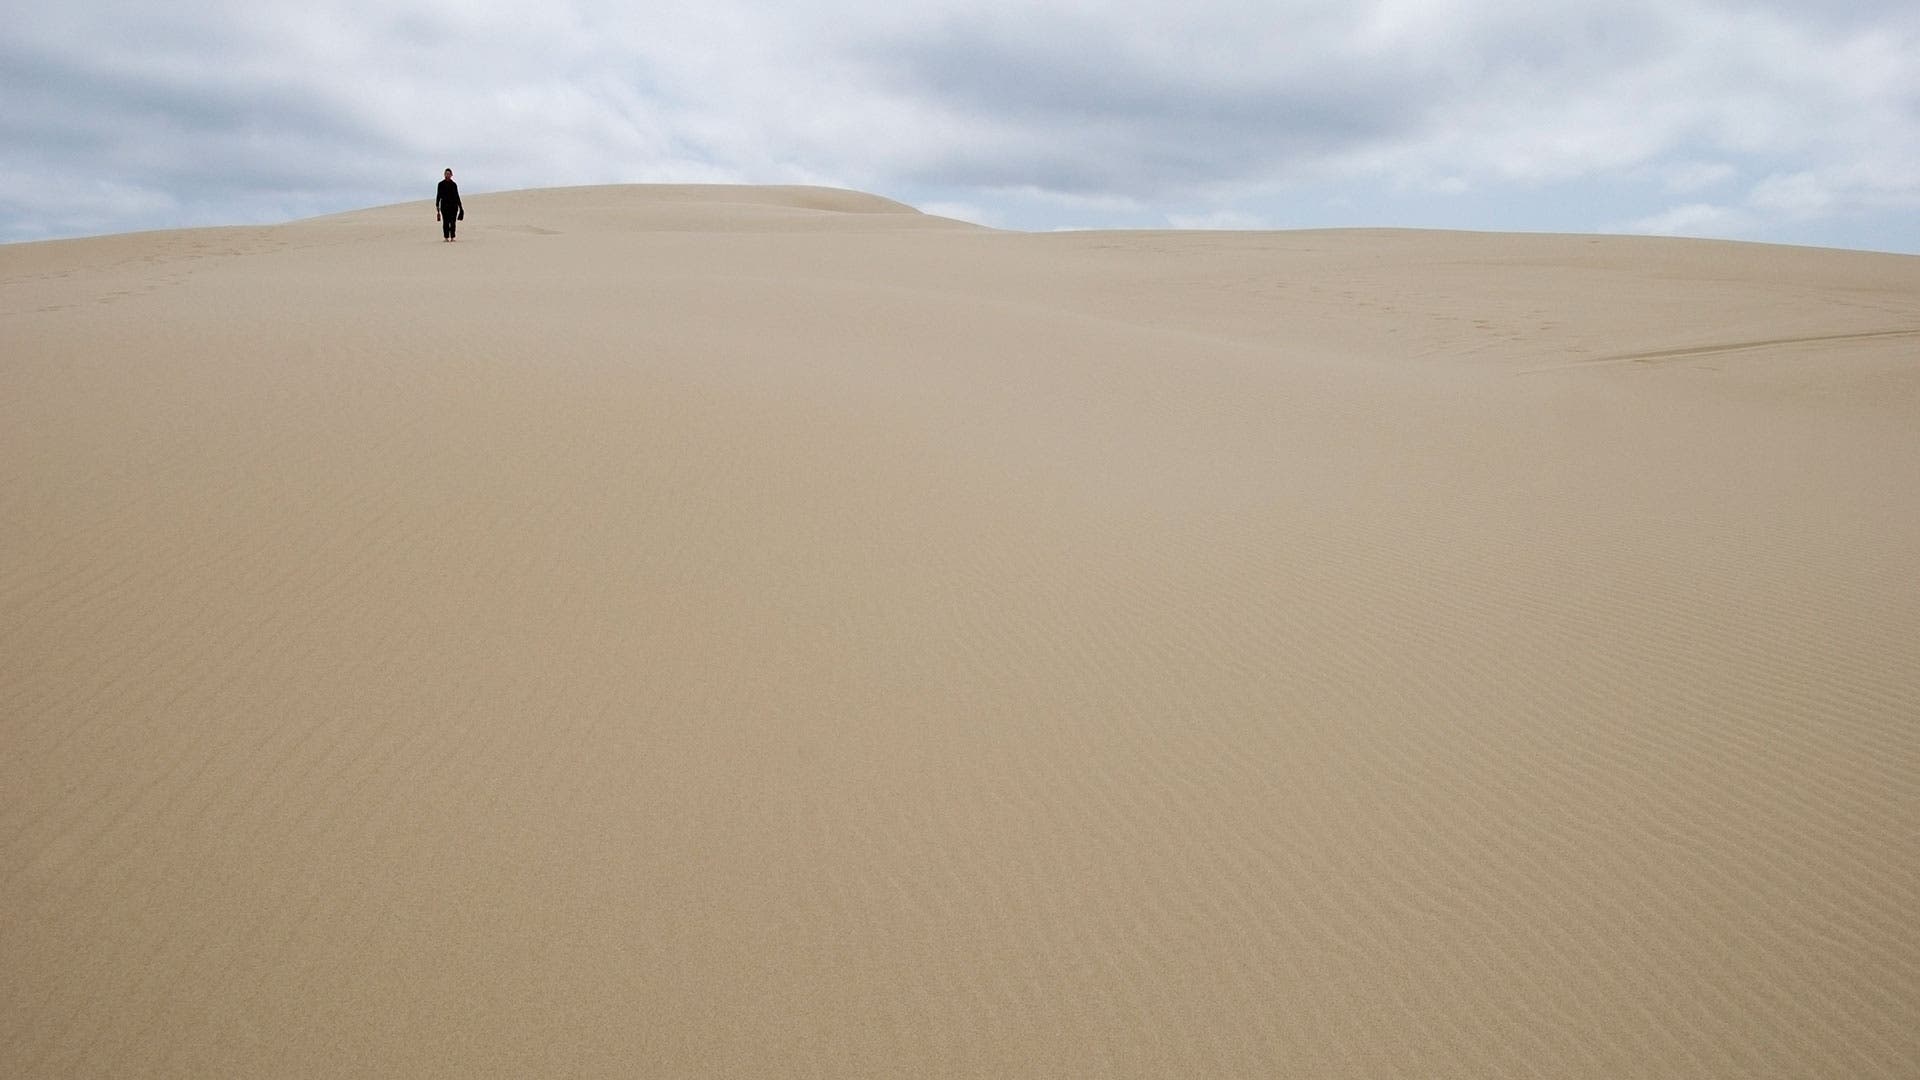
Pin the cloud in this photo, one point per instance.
(122, 115)
(1825, 197)
(1691, 219)
(1218, 219)
(1689, 176)
(1083, 104)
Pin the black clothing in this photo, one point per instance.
(447, 201)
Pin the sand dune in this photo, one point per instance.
(736, 632)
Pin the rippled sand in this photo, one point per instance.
(708, 632)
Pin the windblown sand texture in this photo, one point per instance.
(707, 632)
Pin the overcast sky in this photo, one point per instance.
(1795, 121)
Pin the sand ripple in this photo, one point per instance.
(728, 632)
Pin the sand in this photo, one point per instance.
(731, 632)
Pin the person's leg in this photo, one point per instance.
(446, 225)
(453, 222)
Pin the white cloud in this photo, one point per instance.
(1691, 176)
(1857, 188)
(1692, 219)
(1218, 219)
(1798, 194)
(1125, 112)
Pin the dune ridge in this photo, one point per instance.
(704, 631)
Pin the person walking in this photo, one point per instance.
(446, 207)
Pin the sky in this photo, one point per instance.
(1788, 121)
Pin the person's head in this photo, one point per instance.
(449, 174)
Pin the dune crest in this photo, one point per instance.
(671, 207)
(698, 631)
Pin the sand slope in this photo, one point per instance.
(700, 632)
